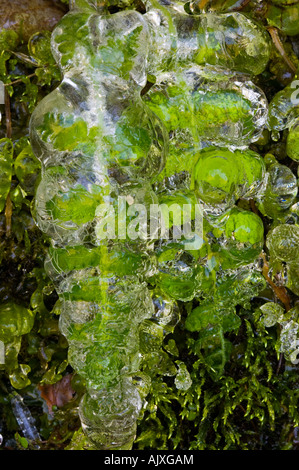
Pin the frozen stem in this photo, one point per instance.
(279, 46)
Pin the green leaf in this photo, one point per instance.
(21, 440)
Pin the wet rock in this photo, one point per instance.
(29, 16)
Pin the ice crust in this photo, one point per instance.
(98, 139)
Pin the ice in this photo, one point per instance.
(24, 419)
(99, 141)
(292, 147)
(283, 108)
(166, 311)
(272, 314)
(207, 105)
(289, 340)
(283, 242)
(87, 135)
(222, 176)
(182, 380)
(279, 192)
(231, 40)
(109, 417)
(289, 328)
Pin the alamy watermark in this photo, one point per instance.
(295, 94)
(294, 356)
(2, 352)
(134, 221)
(2, 101)
(2, 93)
(2, 96)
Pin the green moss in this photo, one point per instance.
(292, 146)
(217, 381)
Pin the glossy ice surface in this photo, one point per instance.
(98, 140)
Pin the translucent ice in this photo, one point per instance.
(272, 314)
(24, 419)
(279, 192)
(229, 39)
(221, 177)
(109, 417)
(293, 141)
(283, 108)
(289, 340)
(98, 140)
(183, 380)
(289, 328)
(207, 104)
(283, 243)
(240, 238)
